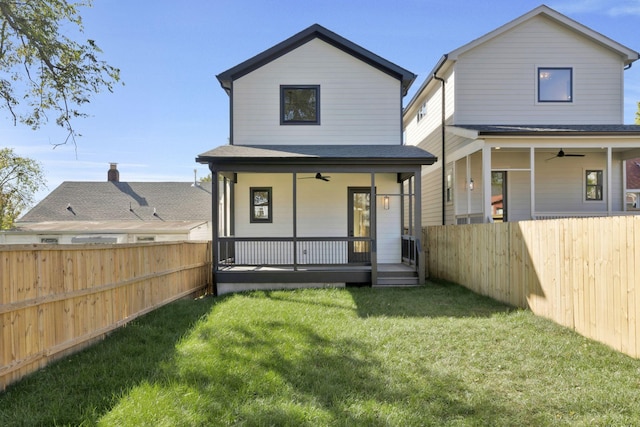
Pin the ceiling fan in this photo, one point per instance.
(317, 176)
(561, 153)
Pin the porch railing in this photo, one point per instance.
(471, 218)
(560, 215)
(409, 249)
(287, 251)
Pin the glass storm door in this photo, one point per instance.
(499, 196)
(359, 225)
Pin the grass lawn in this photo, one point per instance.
(435, 355)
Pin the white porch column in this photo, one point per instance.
(467, 187)
(532, 177)
(609, 184)
(486, 184)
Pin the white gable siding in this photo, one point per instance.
(496, 81)
(358, 103)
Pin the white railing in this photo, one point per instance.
(560, 215)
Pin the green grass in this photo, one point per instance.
(435, 355)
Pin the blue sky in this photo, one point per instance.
(172, 108)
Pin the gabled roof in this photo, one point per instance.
(316, 31)
(124, 201)
(318, 155)
(628, 55)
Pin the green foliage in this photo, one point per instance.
(20, 178)
(638, 115)
(434, 355)
(43, 69)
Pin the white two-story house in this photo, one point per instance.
(527, 123)
(315, 186)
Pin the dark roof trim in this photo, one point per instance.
(553, 130)
(316, 31)
(339, 155)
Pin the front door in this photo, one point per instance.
(359, 225)
(499, 196)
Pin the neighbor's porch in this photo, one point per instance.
(502, 181)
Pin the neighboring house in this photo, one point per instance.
(312, 180)
(117, 212)
(532, 125)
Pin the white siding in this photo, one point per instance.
(496, 81)
(358, 103)
(322, 208)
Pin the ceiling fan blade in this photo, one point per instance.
(317, 176)
(574, 155)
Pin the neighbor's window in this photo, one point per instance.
(422, 112)
(593, 186)
(300, 105)
(632, 184)
(449, 186)
(261, 205)
(555, 84)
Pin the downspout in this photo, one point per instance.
(444, 162)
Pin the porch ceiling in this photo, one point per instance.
(313, 155)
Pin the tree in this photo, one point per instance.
(638, 115)
(20, 178)
(42, 69)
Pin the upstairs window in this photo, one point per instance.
(593, 185)
(422, 112)
(555, 85)
(300, 105)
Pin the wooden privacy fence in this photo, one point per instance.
(57, 299)
(583, 273)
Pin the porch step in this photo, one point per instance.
(397, 278)
(396, 282)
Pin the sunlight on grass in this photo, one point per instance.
(435, 355)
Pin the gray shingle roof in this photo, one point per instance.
(553, 129)
(344, 154)
(124, 201)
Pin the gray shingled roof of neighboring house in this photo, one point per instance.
(124, 201)
(555, 130)
(328, 154)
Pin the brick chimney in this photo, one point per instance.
(113, 175)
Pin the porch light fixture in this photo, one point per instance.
(385, 203)
(471, 184)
